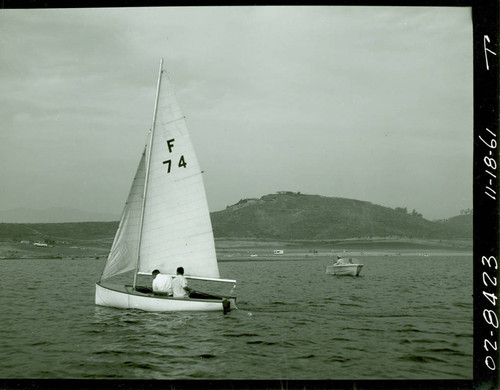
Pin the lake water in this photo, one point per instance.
(405, 317)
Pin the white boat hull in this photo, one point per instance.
(125, 297)
(346, 269)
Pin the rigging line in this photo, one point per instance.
(181, 179)
(172, 121)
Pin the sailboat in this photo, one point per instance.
(165, 223)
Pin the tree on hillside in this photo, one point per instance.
(403, 210)
(416, 214)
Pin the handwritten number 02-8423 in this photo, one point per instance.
(489, 315)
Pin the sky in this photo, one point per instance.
(368, 103)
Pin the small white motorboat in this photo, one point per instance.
(341, 267)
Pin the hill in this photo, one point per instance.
(71, 231)
(289, 219)
(284, 216)
(288, 215)
(60, 240)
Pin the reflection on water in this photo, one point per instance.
(293, 322)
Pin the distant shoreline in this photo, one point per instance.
(253, 249)
(286, 257)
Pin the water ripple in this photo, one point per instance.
(302, 325)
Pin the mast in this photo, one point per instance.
(148, 163)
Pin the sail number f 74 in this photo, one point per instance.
(182, 161)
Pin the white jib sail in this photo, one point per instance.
(177, 231)
(123, 254)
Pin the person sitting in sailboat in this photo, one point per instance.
(340, 261)
(162, 283)
(180, 285)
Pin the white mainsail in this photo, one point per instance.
(176, 228)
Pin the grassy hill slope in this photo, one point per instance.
(314, 217)
(70, 231)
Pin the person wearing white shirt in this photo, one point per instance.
(180, 285)
(162, 283)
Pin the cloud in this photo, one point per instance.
(339, 101)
